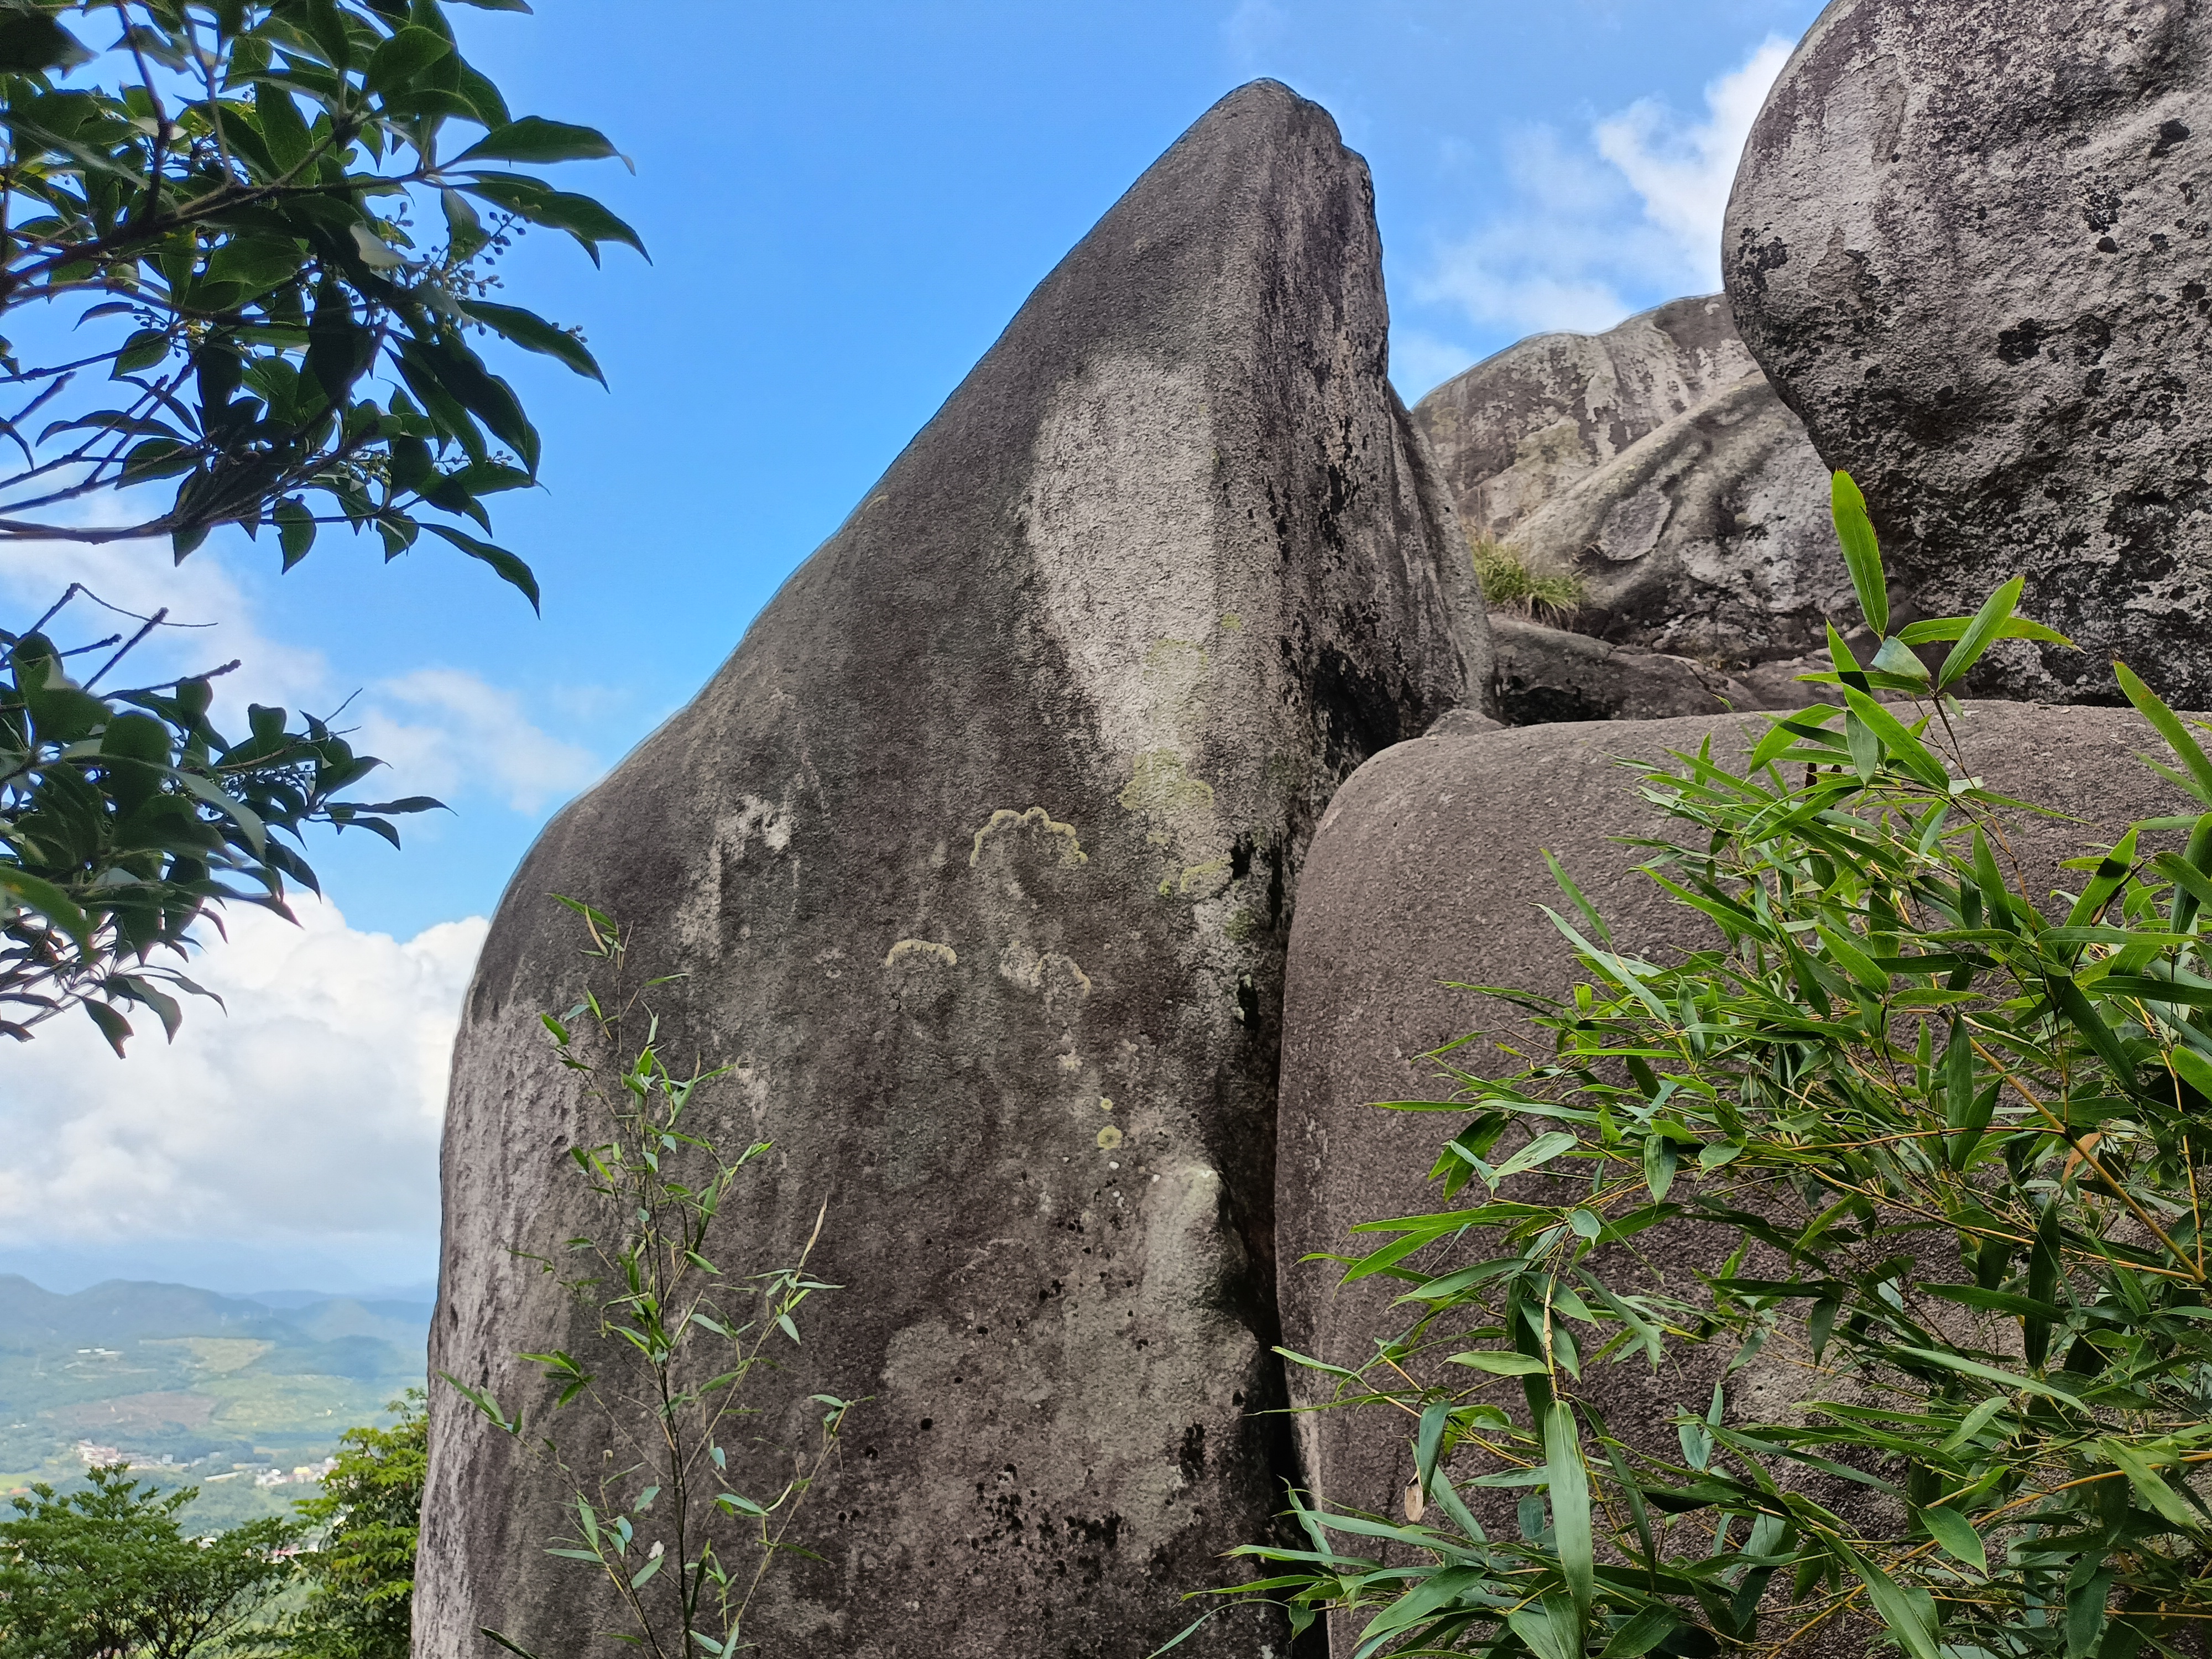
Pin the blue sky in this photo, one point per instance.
(844, 206)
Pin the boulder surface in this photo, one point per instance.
(980, 854)
(1654, 462)
(1424, 878)
(1969, 244)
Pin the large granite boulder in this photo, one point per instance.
(1970, 243)
(980, 853)
(1424, 878)
(1655, 462)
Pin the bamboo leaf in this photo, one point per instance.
(1570, 1508)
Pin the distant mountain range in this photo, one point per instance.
(230, 1393)
(128, 1309)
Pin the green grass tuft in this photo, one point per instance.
(1507, 580)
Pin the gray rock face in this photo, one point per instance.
(1551, 674)
(1655, 462)
(981, 853)
(1426, 874)
(1969, 242)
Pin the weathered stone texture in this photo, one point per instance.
(1654, 462)
(1970, 243)
(980, 853)
(1550, 674)
(1425, 876)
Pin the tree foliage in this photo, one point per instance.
(258, 242)
(288, 256)
(109, 1573)
(364, 1525)
(1942, 1134)
(125, 816)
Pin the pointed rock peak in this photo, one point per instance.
(979, 856)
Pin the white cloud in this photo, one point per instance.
(1598, 229)
(1683, 172)
(1421, 361)
(442, 730)
(475, 735)
(1252, 32)
(307, 1117)
(215, 619)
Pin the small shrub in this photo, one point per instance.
(658, 1517)
(1948, 1145)
(368, 1518)
(1509, 583)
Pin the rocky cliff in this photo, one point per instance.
(980, 853)
(1655, 464)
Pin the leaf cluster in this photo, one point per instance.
(279, 222)
(364, 1525)
(109, 1570)
(1939, 1137)
(662, 1520)
(126, 817)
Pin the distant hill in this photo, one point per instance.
(219, 1391)
(124, 1309)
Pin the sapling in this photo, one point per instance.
(651, 1502)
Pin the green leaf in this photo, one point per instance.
(1855, 961)
(1909, 1616)
(1897, 658)
(2149, 1485)
(296, 531)
(1974, 1422)
(1500, 1363)
(486, 1630)
(401, 58)
(31, 42)
(1653, 1626)
(534, 333)
(1552, 1629)
(511, 569)
(287, 136)
(1787, 730)
(111, 1024)
(1571, 1506)
(534, 141)
(1957, 1535)
(1991, 1374)
(1936, 629)
(2003, 1302)
(1541, 1151)
(1435, 1417)
(1862, 553)
(1191, 1628)
(583, 218)
(147, 347)
(1902, 745)
(36, 893)
(2087, 1597)
(1981, 633)
(2163, 720)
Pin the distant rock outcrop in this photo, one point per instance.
(1655, 464)
(981, 853)
(1971, 245)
